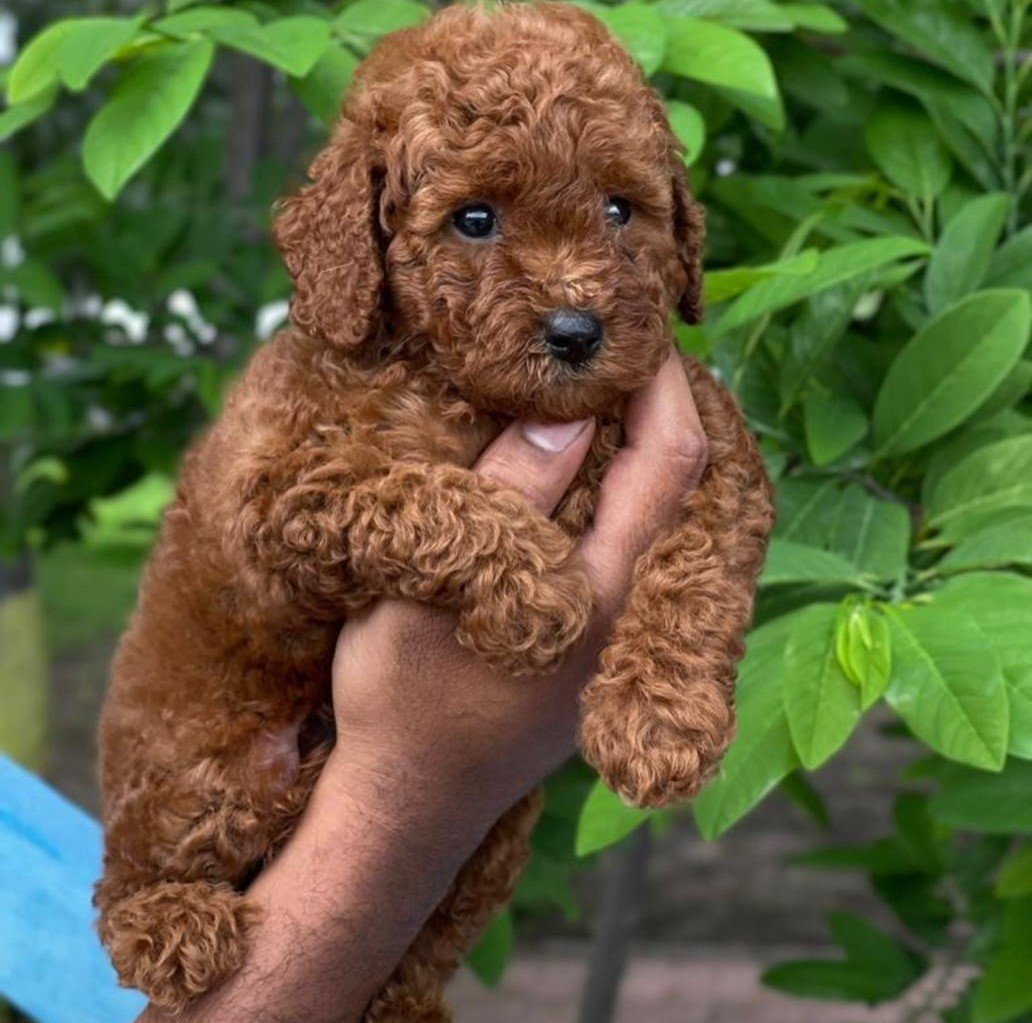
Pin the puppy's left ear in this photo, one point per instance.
(690, 233)
(330, 237)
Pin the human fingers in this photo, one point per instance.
(647, 483)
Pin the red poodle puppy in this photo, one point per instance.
(500, 227)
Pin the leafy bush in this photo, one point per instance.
(866, 171)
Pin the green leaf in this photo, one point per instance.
(995, 804)
(949, 368)
(877, 951)
(833, 422)
(752, 15)
(989, 479)
(1006, 543)
(863, 647)
(641, 30)
(815, 18)
(836, 266)
(1015, 877)
(721, 285)
(322, 89)
(790, 562)
(871, 534)
(292, 44)
(605, 819)
(948, 686)
(822, 705)
(21, 115)
(688, 126)
(1000, 606)
(491, 954)
(762, 752)
(961, 257)
(378, 17)
(38, 65)
(903, 142)
(1004, 992)
(1011, 263)
(90, 44)
(150, 101)
(806, 510)
(800, 790)
(940, 32)
(204, 20)
(724, 57)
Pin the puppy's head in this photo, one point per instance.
(505, 185)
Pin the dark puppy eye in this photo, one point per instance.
(618, 210)
(477, 220)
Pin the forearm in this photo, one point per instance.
(373, 855)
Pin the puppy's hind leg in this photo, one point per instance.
(415, 991)
(660, 713)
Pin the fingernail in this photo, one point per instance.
(554, 437)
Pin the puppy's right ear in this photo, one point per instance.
(329, 235)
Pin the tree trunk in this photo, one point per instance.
(23, 666)
(617, 922)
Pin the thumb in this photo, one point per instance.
(538, 460)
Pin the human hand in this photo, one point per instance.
(412, 703)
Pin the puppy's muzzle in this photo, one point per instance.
(572, 335)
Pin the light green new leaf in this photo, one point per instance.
(863, 647)
(150, 101)
(762, 752)
(751, 15)
(995, 804)
(91, 43)
(21, 115)
(722, 285)
(1006, 543)
(833, 423)
(689, 127)
(789, 562)
(721, 56)
(991, 478)
(815, 18)
(1003, 992)
(871, 534)
(940, 31)
(903, 142)
(605, 819)
(323, 88)
(961, 256)
(641, 29)
(822, 705)
(292, 44)
(948, 686)
(1015, 877)
(836, 266)
(491, 954)
(378, 17)
(1000, 606)
(949, 368)
(38, 65)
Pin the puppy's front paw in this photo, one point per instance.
(649, 754)
(525, 622)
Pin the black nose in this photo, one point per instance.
(572, 335)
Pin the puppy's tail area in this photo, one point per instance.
(660, 714)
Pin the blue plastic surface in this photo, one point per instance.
(52, 966)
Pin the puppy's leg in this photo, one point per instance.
(660, 714)
(415, 992)
(203, 830)
(433, 533)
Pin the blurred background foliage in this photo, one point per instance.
(865, 166)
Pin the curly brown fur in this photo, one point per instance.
(339, 473)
